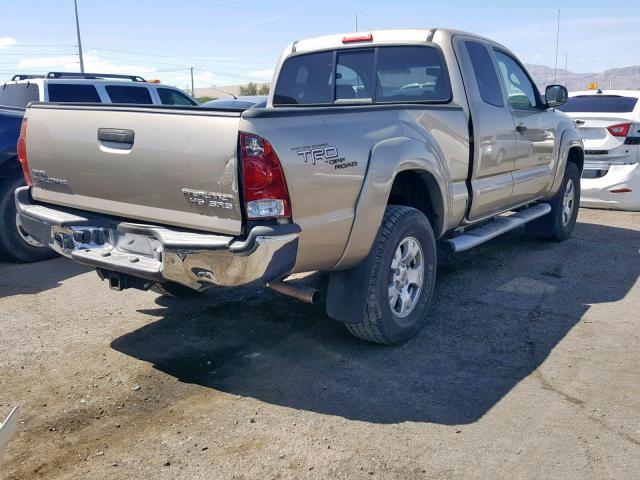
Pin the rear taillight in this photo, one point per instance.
(22, 152)
(619, 130)
(264, 187)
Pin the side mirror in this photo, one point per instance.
(556, 95)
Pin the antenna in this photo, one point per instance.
(220, 90)
(356, 22)
(75, 3)
(193, 90)
(555, 68)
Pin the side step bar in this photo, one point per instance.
(473, 237)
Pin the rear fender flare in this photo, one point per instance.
(569, 139)
(386, 161)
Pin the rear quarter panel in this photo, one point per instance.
(326, 189)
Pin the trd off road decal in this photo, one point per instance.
(324, 152)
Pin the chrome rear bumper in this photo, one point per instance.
(161, 254)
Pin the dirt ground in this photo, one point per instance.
(529, 367)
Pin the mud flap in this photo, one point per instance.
(7, 431)
(347, 292)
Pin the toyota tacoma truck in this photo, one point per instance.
(375, 152)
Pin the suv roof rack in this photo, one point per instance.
(25, 77)
(94, 76)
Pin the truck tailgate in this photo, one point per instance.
(174, 166)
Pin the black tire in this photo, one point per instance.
(13, 246)
(175, 290)
(380, 323)
(556, 226)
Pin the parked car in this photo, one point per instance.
(373, 148)
(609, 124)
(15, 243)
(241, 102)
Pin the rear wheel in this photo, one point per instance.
(15, 243)
(402, 280)
(558, 224)
(175, 290)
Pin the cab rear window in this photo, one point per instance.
(18, 94)
(599, 104)
(402, 74)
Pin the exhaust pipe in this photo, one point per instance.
(299, 292)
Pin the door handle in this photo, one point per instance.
(116, 135)
(521, 128)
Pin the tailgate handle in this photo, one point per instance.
(116, 135)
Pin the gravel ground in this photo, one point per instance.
(529, 367)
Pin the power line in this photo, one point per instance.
(41, 54)
(267, 10)
(213, 59)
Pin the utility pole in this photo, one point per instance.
(75, 3)
(555, 68)
(356, 22)
(566, 69)
(193, 90)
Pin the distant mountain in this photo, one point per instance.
(624, 78)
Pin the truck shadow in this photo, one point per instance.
(28, 278)
(498, 313)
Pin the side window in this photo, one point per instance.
(169, 96)
(18, 94)
(72, 92)
(411, 74)
(486, 76)
(305, 80)
(127, 94)
(520, 89)
(354, 72)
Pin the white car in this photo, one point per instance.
(609, 124)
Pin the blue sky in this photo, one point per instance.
(239, 41)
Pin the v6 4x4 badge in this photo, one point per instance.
(323, 153)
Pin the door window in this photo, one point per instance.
(73, 92)
(126, 94)
(485, 73)
(520, 89)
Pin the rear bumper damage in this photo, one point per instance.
(160, 254)
(611, 186)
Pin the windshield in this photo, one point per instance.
(599, 104)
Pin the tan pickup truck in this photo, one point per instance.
(374, 149)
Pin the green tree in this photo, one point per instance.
(249, 89)
(264, 89)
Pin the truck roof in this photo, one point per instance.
(375, 37)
